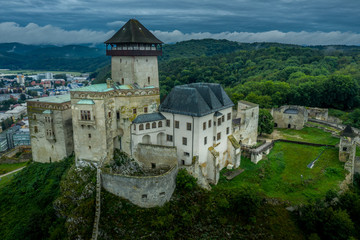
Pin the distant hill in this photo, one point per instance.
(48, 57)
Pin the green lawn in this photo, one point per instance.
(279, 176)
(308, 134)
(5, 180)
(8, 167)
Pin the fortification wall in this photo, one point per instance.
(144, 191)
(161, 156)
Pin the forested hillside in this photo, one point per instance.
(269, 74)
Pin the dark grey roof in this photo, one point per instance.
(133, 32)
(196, 99)
(151, 117)
(348, 132)
(291, 111)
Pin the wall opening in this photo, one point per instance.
(146, 139)
(289, 126)
(153, 165)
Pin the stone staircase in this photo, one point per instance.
(97, 202)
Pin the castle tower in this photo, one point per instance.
(134, 50)
(347, 151)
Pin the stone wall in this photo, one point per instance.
(318, 113)
(249, 115)
(161, 156)
(290, 116)
(146, 191)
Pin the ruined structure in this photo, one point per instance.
(290, 116)
(347, 150)
(246, 123)
(318, 113)
(51, 130)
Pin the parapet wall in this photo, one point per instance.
(144, 191)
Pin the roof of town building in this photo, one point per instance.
(102, 87)
(133, 32)
(52, 99)
(150, 117)
(196, 99)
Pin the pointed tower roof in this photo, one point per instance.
(133, 32)
(348, 132)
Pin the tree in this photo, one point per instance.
(266, 122)
(22, 97)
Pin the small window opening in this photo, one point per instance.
(153, 165)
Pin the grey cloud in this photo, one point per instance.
(35, 34)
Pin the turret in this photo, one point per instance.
(134, 50)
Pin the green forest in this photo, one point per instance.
(269, 74)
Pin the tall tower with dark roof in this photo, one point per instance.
(134, 50)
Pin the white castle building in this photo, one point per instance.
(195, 122)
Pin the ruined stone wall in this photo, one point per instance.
(318, 113)
(287, 120)
(147, 191)
(249, 114)
(161, 156)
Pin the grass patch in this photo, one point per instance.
(308, 134)
(279, 176)
(8, 167)
(5, 180)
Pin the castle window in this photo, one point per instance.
(184, 141)
(188, 126)
(169, 138)
(227, 131)
(144, 196)
(89, 135)
(209, 124)
(85, 115)
(153, 165)
(160, 124)
(177, 124)
(252, 114)
(36, 129)
(344, 148)
(145, 109)
(122, 81)
(89, 147)
(147, 126)
(228, 116)
(219, 121)
(153, 125)
(162, 194)
(34, 117)
(167, 123)
(117, 115)
(141, 127)
(134, 110)
(205, 140)
(148, 80)
(134, 127)
(223, 118)
(218, 136)
(146, 60)
(204, 125)
(109, 114)
(186, 154)
(120, 60)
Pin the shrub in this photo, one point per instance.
(184, 181)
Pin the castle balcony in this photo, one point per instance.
(150, 52)
(87, 122)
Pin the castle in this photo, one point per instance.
(194, 128)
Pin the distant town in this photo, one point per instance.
(15, 89)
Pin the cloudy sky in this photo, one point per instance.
(93, 21)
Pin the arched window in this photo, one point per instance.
(36, 129)
(148, 126)
(153, 125)
(34, 117)
(160, 124)
(141, 127)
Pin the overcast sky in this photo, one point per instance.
(93, 21)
